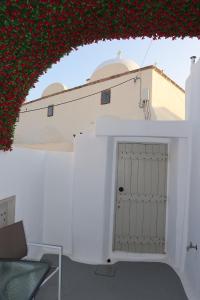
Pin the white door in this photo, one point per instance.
(140, 210)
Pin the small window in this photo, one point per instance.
(105, 97)
(17, 118)
(50, 111)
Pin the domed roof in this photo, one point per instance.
(53, 89)
(128, 63)
(113, 67)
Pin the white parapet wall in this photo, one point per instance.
(41, 183)
(22, 176)
(110, 126)
(57, 199)
(88, 197)
(192, 262)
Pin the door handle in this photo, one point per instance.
(121, 189)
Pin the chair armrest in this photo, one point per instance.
(60, 251)
(58, 247)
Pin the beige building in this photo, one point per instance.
(118, 88)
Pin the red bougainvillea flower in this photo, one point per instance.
(36, 34)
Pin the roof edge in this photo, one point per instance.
(109, 78)
(168, 78)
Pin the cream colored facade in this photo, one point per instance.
(128, 84)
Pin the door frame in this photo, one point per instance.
(120, 255)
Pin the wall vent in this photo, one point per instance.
(7, 211)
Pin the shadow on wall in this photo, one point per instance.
(162, 113)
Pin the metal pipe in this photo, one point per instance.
(141, 105)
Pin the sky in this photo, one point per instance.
(172, 56)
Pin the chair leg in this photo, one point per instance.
(59, 273)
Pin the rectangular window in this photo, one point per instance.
(105, 97)
(50, 110)
(17, 119)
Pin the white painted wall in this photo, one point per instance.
(44, 189)
(22, 174)
(85, 202)
(93, 193)
(192, 263)
(42, 183)
(88, 198)
(57, 199)
(110, 126)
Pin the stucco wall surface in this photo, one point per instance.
(93, 196)
(192, 263)
(168, 101)
(34, 127)
(22, 174)
(42, 183)
(66, 198)
(57, 199)
(88, 199)
(79, 116)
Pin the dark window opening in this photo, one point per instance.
(105, 97)
(50, 110)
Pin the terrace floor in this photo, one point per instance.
(123, 280)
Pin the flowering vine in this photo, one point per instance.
(36, 34)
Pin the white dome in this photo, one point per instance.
(53, 89)
(129, 64)
(113, 67)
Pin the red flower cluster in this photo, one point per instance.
(36, 34)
